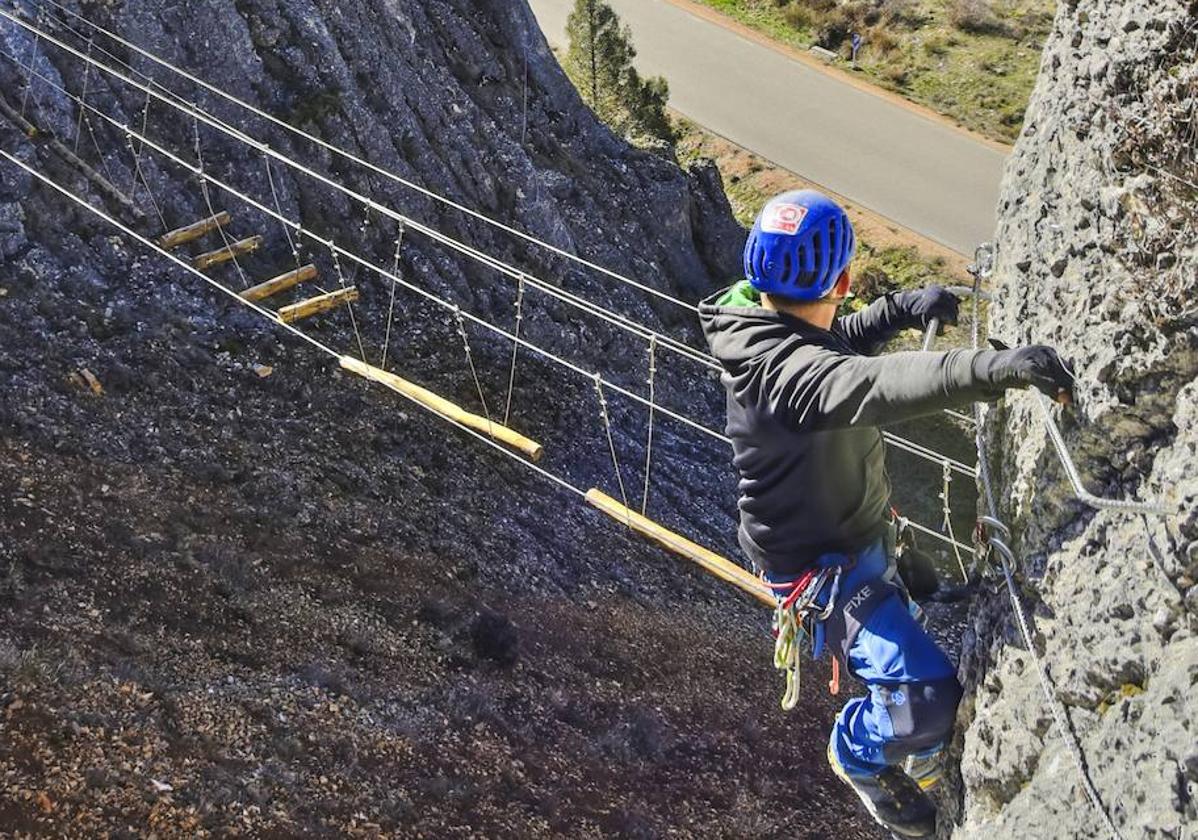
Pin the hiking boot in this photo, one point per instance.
(893, 799)
(925, 770)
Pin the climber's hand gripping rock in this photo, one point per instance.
(1037, 366)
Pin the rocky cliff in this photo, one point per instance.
(463, 99)
(239, 604)
(1097, 256)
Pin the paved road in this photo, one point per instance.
(921, 173)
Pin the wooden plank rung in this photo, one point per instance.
(183, 235)
(709, 561)
(317, 305)
(445, 408)
(223, 255)
(281, 283)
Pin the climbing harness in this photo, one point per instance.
(792, 624)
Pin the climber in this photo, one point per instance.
(806, 395)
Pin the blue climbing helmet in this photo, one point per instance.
(801, 243)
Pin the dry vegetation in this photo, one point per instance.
(1162, 206)
(972, 60)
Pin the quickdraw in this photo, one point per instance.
(793, 621)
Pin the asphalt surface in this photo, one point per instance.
(919, 172)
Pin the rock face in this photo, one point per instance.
(1097, 257)
(462, 98)
(244, 593)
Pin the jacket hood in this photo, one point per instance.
(738, 328)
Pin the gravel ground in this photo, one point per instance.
(278, 620)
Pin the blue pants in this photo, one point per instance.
(913, 690)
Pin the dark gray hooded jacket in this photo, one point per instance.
(804, 407)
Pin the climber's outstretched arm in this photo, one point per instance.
(815, 388)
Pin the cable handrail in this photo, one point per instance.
(316, 343)
(197, 113)
(332, 246)
(273, 318)
(1080, 491)
(703, 358)
(378, 170)
(899, 442)
(981, 268)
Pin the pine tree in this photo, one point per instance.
(599, 62)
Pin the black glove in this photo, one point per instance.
(1037, 366)
(922, 305)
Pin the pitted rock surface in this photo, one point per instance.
(1097, 257)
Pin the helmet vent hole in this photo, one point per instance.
(817, 243)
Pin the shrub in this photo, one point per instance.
(936, 45)
(836, 28)
(905, 13)
(896, 75)
(799, 17)
(976, 16)
(882, 41)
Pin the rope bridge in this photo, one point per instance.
(493, 431)
(233, 252)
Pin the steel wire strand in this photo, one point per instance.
(430, 296)
(607, 315)
(431, 194)
(1007, 558)
(274, 319)
(193, 110)
(673, 344)
(892, 439)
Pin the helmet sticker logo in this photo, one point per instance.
(783, 218)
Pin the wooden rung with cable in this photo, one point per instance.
(223, 255)
(318, 305)
(183, 235)
(709, 561)
(445, 408)
(280, 284)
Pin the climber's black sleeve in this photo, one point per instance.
(815, 388)
(870, 328)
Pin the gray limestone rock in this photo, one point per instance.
(1108, 590)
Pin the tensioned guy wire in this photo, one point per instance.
(469, 251)
(196, 112)
(364, 163)
(1007, 558)
(672, 344)
(914, 448)
(395, 278)
(274, 319)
